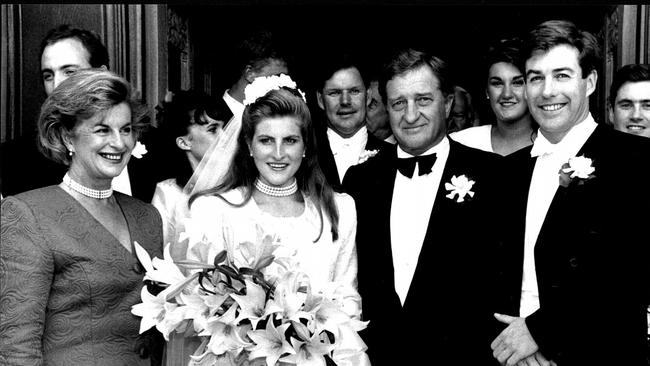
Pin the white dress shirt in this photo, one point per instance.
(543, 185)
(122, 183)
(235, 106)
(410, 211)
(346, 151)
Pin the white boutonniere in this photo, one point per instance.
(579, 169)
(139, 150)
(460, 186)
(367, 154)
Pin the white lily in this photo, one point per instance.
(159, 270)
(156, 311)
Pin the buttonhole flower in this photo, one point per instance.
(460, 186)
(579, 169)
(367, 154)
(139, 150)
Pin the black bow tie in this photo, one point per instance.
(406, 166)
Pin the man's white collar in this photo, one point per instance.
(578, 134)
(337, 141)
(439, 147)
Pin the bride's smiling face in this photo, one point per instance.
(277, 148)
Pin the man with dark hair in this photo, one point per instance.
(581, 295)
(423, 219)
(258, 55)
(342, 95)
(64, 51)
(629, 99)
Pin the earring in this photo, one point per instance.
(304, 154)
(70, 153)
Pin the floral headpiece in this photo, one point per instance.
(264, 84)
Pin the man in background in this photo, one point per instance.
(629, 100)
(343, 138)
(258, 55)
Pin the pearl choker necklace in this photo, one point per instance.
(276, 191)
(88, 192)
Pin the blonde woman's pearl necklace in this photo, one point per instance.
(276, 191)
(88, 192)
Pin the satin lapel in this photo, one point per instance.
(374, 143)
(566, 197)
(438, 229)
(326, 159)
(383, 195)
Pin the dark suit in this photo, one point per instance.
(447, 315)
(326, 158)
(591, 256)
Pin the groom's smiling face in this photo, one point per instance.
(557, 92)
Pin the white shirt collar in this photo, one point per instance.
(442, 146)
(338, 142)
(576, 137)
(235, 106)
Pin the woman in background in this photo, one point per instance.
(68, 271)
(513, 128)
(190, 124)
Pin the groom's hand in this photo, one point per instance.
(536, 359)
(515, 343)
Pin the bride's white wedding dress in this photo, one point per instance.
(224, 226)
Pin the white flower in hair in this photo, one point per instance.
(264, 84)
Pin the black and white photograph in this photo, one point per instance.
(325, 183)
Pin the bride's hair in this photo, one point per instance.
(310, 178)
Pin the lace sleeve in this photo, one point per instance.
(26, 271)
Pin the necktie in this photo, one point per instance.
(406, 166)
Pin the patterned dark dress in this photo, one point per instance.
(67, 284)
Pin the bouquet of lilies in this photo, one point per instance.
(245, 318)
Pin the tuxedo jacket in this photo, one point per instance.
(326, 157)
(591, 255)
(447, 315)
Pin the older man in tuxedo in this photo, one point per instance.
(423, 237)
(578, 261)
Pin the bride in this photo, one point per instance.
(275, 186)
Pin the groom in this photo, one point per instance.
(581, 295)
(423, 237)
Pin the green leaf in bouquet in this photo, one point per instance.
(301, 331)
(264, 262)
(177, 288)
(202, 277)
(220, 257)
(230, 272)
(191, 264)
